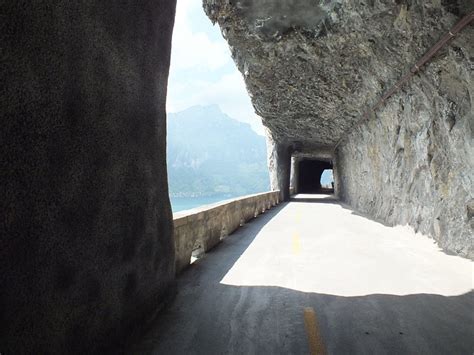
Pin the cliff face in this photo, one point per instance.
(414, 163)
(86, 242)
(312, 72)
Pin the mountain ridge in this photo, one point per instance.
(211, 154)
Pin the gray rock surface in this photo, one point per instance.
(86, 248)
(312, 69)
(414, 162)
(310, 77)
(279, 166)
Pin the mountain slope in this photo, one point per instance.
(211, 154)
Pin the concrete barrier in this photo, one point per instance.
(202, 228)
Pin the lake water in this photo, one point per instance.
(186, 203)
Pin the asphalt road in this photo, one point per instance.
(311, 277)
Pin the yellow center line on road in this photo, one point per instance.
(296, 244)
(316, 346)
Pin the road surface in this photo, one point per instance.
(314, 277)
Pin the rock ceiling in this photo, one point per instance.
(313, 67)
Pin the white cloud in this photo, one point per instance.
(228, 92)
(195, 49)
(202, 57)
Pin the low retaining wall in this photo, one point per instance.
(205, 226)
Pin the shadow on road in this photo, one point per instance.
(209, 317)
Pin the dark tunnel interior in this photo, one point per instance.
(309, 176)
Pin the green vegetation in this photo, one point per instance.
(211, 154)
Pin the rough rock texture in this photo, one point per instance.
(86, 248)
(414, 162)
(279, 166)
(313, 68)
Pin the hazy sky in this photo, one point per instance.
(202, 70)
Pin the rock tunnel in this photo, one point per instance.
(309, 175)
(87, 250)
(343, 81)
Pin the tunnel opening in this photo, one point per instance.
(327, 180)
(311, 179)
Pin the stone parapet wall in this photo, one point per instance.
(204, 227)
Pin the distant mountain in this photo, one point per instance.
(211, 154)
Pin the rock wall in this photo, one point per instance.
(279, 166)
(86, 248)
(413, 162)
(313, 69)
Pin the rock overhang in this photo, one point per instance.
(312, 68)
(272, 19)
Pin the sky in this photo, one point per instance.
(326, 177)
(202, 70)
